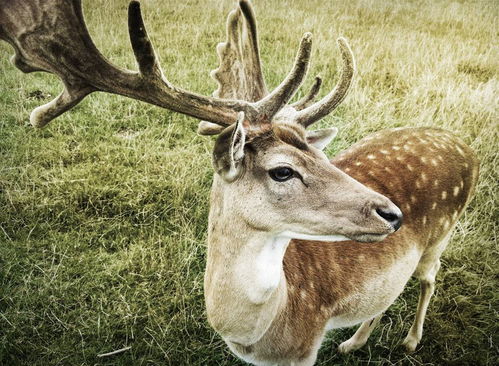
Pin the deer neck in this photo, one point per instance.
(245, 286)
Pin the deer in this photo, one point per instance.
(298, 244)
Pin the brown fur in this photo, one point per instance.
(445, 161)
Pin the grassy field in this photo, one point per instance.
(103, 213)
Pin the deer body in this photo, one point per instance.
(275, 281)
(314, 286)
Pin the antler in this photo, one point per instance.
(325, 106)
(51, 36)
(240, 76)
(308, 99)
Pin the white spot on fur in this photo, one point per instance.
(413, 198)
(395, 147)
(407, 207)
(358, 163)
(410, 167)
(424, 220)
(456, 191)
(303, 294)
(423, 160)
(371, 156)
(418, 184)
(433, 205)
(435, 183)
(434, 162)
(444, 195)
(385, 152)
(423, 177)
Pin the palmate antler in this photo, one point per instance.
(240, 74)
(51, 36)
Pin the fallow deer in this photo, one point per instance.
(274, 282)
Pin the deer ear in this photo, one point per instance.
(321, 138)
(228, 153)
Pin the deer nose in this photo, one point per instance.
(394, 218)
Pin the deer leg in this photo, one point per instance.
(427, 283)
(361, 335)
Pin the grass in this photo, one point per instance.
(103, 213)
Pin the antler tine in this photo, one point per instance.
(308, 99)
(259, 86)
(141, 45)
(69, 97)
(325, 106)
(276, 100)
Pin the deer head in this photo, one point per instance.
(265, 159)
(276, 166)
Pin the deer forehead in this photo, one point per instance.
(276, 159)
(285, 155)
(286, 143)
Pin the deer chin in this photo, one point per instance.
(368, 237)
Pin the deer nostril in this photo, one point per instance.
(393, 218)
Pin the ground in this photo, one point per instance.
(103, 213)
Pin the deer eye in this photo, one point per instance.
(281, 174)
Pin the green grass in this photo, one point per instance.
(103, 213)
